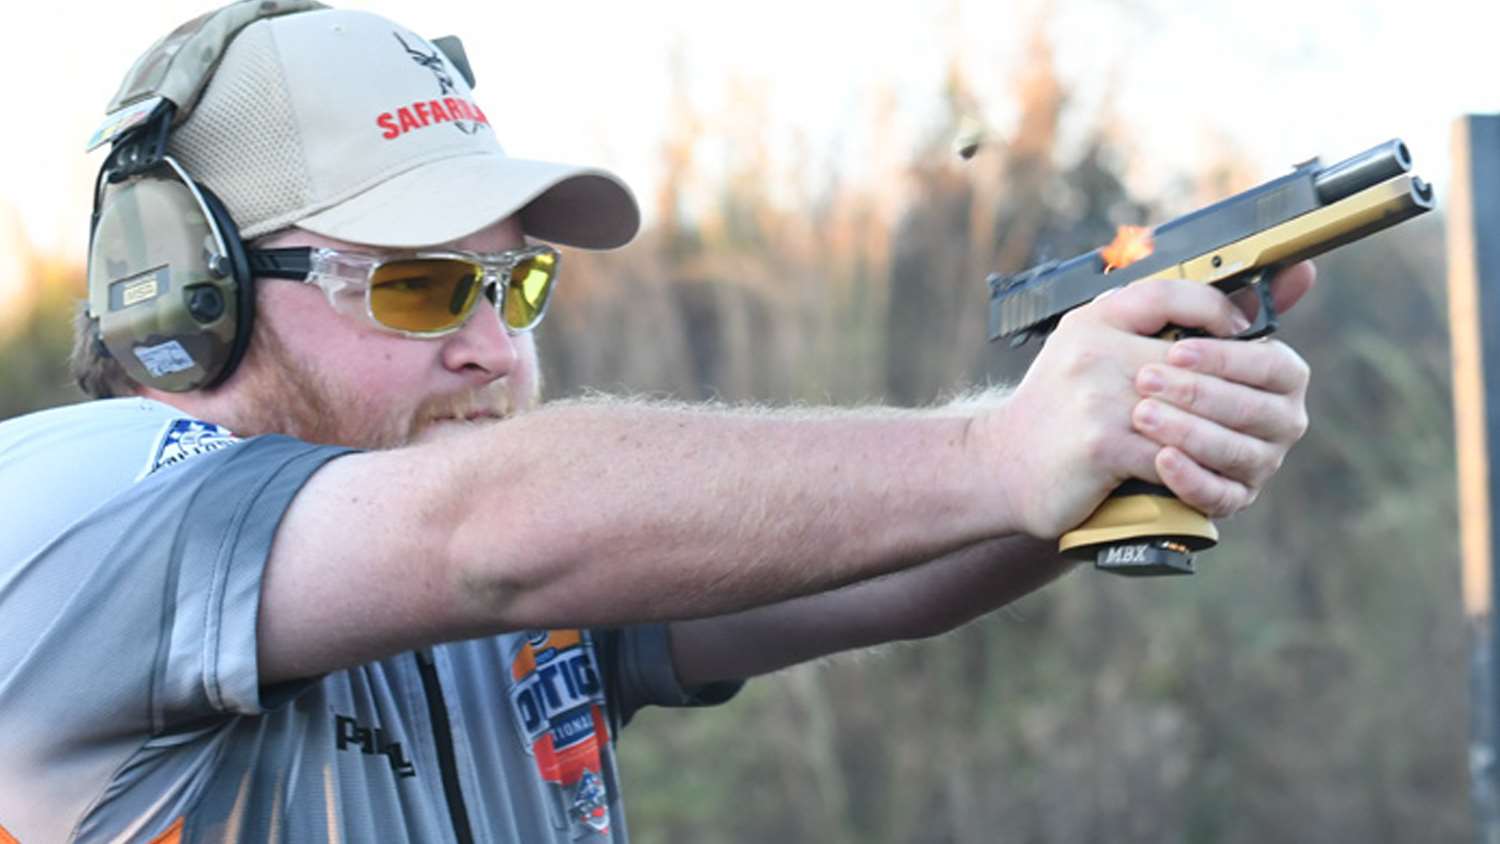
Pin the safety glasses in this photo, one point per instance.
(422, 294)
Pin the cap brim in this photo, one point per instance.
(451, 198)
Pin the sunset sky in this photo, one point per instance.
(1276, 82)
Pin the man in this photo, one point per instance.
(367, 588)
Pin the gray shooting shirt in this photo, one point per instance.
(132, 544)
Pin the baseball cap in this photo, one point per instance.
(351, 126)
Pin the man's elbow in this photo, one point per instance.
(512, 580)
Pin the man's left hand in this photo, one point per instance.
(1226, 412)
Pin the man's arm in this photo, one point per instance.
(591, 514)
(605, 513)
(1223, 423)
(915, 603)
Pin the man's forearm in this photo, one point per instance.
(633, 512)
(916, 603)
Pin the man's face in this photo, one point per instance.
(327, 377)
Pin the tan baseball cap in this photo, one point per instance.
(351, 126)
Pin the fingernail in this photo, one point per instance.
(1184, 355)
(1147, 415)
(1240, 322)
(1152, 382)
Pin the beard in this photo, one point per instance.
(286, 396)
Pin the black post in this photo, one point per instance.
(1474, 320)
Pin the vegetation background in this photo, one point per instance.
(1308, 685)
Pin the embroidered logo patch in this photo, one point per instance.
(183, 439)
(558, 702)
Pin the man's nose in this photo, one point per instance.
(482, 349)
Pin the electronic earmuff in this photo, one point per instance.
(168, 280)
(169, 287)
(170, 290)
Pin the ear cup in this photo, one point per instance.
(169, 310)
(175, 314)
(243, 281)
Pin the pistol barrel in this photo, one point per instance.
(1370, 167)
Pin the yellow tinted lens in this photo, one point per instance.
(424, 294)
(530, 285)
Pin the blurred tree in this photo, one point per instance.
(34, 348)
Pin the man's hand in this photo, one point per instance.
(1106, 400)
(1226, 412)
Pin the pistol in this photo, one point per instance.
(1234, 244)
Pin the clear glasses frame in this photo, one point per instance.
(340, 273)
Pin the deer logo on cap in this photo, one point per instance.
(434, 62)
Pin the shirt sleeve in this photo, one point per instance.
(638, 672)
(223, 537)
(151, 598)
(134, 622)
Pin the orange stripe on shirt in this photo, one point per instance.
(6, 837)
(173, 835)
(564, 639)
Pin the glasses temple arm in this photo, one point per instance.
(293, 263)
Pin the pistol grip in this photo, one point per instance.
(1141, 530)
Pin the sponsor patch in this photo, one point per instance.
(558, 702)
(164, 359)
(183, 439)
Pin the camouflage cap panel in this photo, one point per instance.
(179, 65)
(150, 256)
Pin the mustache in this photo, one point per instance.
(489, 403)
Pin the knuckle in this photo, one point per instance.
(1168, 427)
(1084, 359)
(1142, 299)
(1211, 356)
(1183, 433)
(1071, 319)
(1300, 423)
(1186, 392)
(1199, 493)
(1099, 447)
(1226, 500)
(1301, 371)
(1265, 370)
(1230, 318)
(1143, 461)
(1244, 460)
(1292, 366)
(1248, 413)
(1155, 296)
(1096, 404)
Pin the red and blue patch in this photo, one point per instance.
(558, 702)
